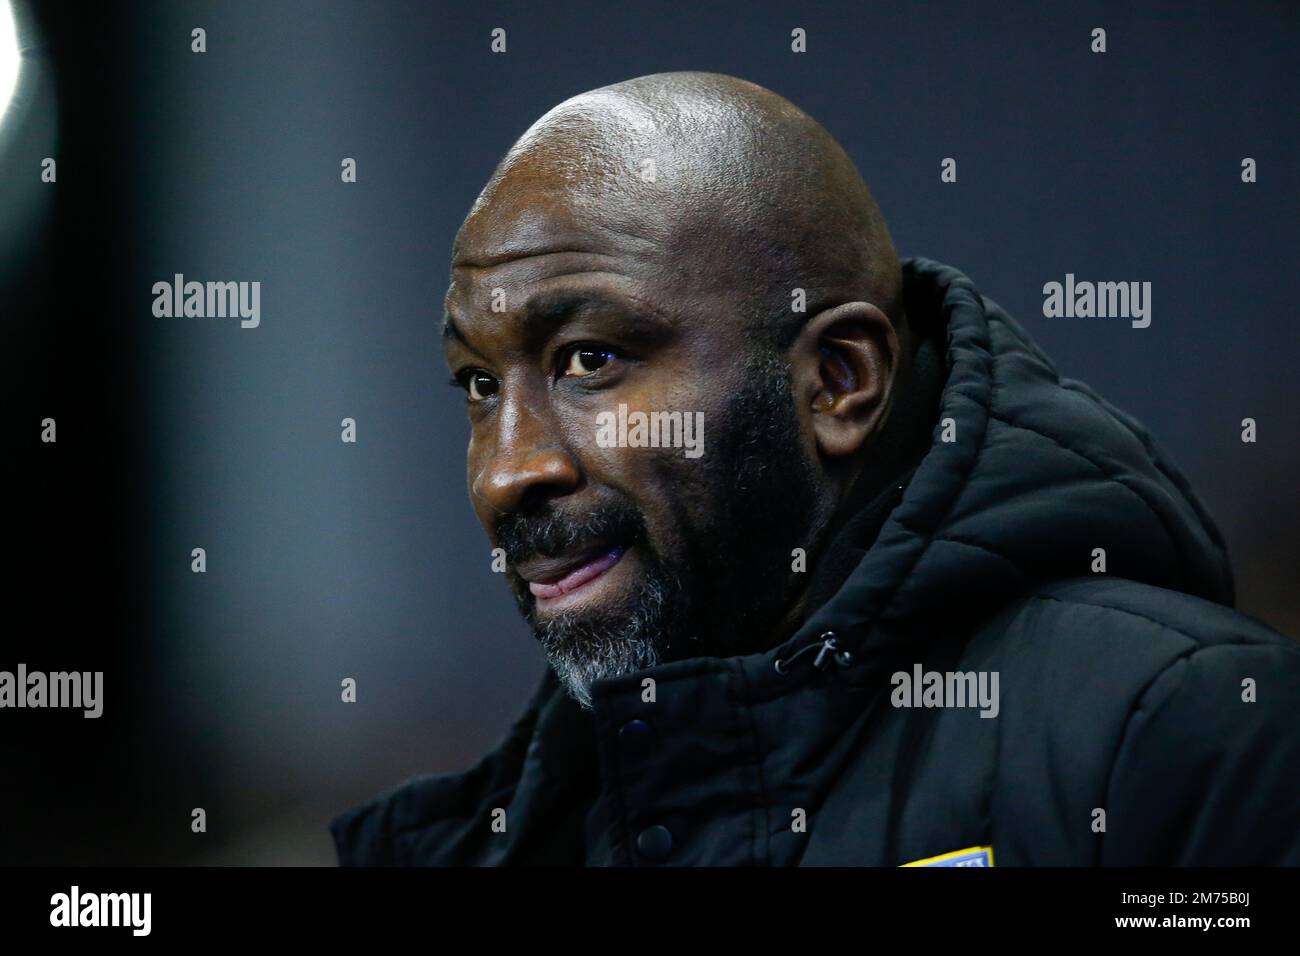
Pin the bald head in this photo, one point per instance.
(638, 252)
(739, 194)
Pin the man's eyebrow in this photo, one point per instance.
(547, 311)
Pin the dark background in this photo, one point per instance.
(328, 560)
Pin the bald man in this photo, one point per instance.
(829, 564)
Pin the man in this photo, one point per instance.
(913, 599)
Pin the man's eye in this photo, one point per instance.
(479, 385)
(586, 359)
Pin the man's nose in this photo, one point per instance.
(527, 464)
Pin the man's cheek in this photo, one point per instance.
(677, 504)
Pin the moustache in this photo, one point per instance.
(554, 532)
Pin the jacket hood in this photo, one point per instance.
(1027, 474)
(1025, 477)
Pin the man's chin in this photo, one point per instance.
(580, 657)
(577, 676)
(589, 641)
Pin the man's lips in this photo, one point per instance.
(552, 579)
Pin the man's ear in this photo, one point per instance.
(843, 366)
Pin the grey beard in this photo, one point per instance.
(582, 650)
(767, 476)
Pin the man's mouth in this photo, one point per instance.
(552, 580)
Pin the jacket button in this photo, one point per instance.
(635, 734)
(654, 843)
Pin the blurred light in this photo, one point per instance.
(9, 57)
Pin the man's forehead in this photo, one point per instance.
(522, 267)
(516, 247)
(578, 198)
(522, 243)
(539, 217)
(509, 232)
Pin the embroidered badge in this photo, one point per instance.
(971, 856)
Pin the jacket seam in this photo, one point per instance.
(1134, 710)
(1200, 644)
(764, 803)
(1167, 468)
(965, 543)
(1110, 475)
(1140, 698)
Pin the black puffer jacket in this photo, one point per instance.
(1139, 719)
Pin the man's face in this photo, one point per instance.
(620, 556)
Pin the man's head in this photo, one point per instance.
(693, 249)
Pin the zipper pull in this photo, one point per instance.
(828, 650)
